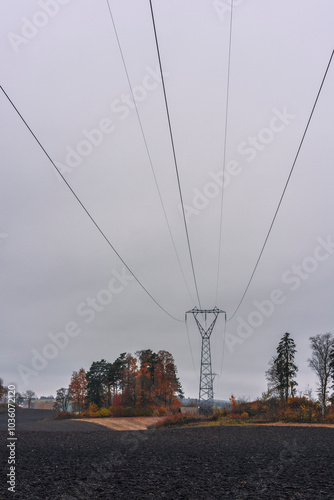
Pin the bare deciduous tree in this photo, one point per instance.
(273, 378)
(18, 398)
(322, 346)
(29, 396)
(62, 399)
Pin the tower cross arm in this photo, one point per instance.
(215, 310)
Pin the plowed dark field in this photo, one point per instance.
(77, 460)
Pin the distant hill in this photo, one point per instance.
(219, 403)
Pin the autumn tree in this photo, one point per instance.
(28, 397)
(167, 384)
(130, 382)
(78, 390)
(285, 366)
(322, 346)
(148, 361)
(62, 399)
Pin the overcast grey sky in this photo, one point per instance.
(61, 66)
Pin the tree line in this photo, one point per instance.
(146, 381)
(27, 397)
(282, 371)
(150, 379)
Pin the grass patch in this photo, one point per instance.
(228, 422)
(179, 420)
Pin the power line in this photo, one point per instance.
(174, 153)
(85, 209)
(146, 146)
(285, 187)
(222, 363)
(222, 197)
(190, 348)
(224, 157)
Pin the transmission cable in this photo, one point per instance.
(147, 148)
(285, 187)
(174, 152)
(190, 348)
(223, 186)
(224, 154)
(85, 209)
(223, 351)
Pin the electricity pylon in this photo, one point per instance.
(206, 377)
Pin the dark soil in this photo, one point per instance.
(74, 461)
(42, 420)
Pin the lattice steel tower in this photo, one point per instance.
(206, 378)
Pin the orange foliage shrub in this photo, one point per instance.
(104, 412)
(93, 410)
(63, 414)
(220, 413)
(161, 411)
(330, 416)
(233, 402)
(171, 420)
(178, 419)
(298, 402)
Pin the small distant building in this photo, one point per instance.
(189, 410)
